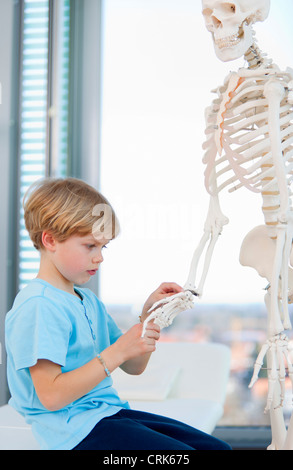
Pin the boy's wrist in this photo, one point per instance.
(103, 363)
(113, 357)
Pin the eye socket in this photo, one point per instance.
(229, 7)
(207, 12)
(213, 16)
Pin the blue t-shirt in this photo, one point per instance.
(49, 323)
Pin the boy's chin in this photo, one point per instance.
(84, 279)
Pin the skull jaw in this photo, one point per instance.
(227, 50)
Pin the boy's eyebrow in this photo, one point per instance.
(95, 241)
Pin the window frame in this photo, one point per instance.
(9, 56)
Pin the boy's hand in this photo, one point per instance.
(166, 289)
(131, 346)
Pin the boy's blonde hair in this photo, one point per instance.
(65, 207)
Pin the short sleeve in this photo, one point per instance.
(39, 330)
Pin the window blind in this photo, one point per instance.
(34, 82)
(63, 83)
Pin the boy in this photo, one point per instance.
(62, 345)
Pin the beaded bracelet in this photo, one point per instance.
(104, 365)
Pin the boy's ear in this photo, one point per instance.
(48, 241)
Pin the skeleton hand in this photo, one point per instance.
(164, 311)
(277, 350)
(166, 289)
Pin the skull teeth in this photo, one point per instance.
(228, 41)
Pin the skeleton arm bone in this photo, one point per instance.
(275, 92)
(285, 275)
(190, 283)
(215, 218)
(214, 224)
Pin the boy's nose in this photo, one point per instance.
(98, 259)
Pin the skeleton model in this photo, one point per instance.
(249, 129)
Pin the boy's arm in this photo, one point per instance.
(56, 389)
(131, 352)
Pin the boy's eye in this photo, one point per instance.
(91, 246)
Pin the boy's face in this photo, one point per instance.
(78, 258)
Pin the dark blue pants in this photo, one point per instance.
(137, 430)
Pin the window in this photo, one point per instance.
(158, 72)
(43, 107)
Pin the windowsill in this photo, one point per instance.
(245, 437)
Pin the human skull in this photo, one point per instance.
(231, 24)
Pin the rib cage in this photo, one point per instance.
(238, 143)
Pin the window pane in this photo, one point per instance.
(158, 72)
